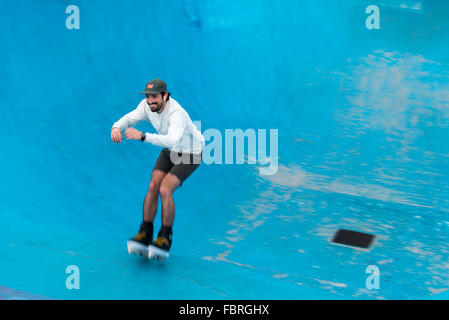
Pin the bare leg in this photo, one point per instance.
(151, 198)
(168, 186)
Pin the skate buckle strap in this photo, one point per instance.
(160, 241)
(140, 236)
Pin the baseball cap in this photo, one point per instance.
(155, 86)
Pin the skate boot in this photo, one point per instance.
(145, 234)
(164, 239)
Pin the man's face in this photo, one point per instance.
(155, 101)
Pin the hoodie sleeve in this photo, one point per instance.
(177, 124)
(131, 119)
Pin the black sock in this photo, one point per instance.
(165, 231)
(147, 227)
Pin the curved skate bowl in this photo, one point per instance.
(360, 113)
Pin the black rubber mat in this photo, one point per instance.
(353, 238)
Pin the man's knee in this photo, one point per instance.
(153, 188)
(168, 185)
(155, 183)
(165, 191)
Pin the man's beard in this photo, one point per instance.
(159, 107)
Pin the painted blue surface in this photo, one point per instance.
(363, 122)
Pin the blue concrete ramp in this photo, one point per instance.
(362, 119)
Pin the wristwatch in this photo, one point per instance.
(144, 135)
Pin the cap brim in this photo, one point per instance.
(151, 92)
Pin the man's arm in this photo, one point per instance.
(175, 131)
(131, 119)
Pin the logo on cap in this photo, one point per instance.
(150, 86)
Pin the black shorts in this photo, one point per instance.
(180, 164)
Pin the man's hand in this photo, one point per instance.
(133, 134)
(116, 135)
